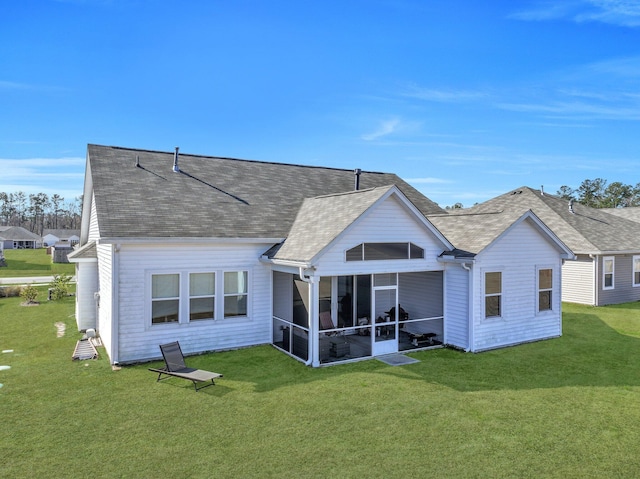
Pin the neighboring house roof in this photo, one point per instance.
(61, 233)
(17, 233)
(137, 195)
(84, 253)
(472, 233)
(583, 229)
(322, 219)
(630, 213)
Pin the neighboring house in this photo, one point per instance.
(606, 242)
(326, 264)
(52, 236)
(16, 237)
(630, 212)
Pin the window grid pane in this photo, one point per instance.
(165, 286)
(493, 283)
(202, 284)
(235, 282)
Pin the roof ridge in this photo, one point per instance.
(262, 162)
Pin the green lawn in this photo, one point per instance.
(568, 407)
(32, 262)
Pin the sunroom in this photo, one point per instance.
(333, 319)
(357, 277)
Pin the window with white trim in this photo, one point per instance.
(545, 289)
(608, 272)
(202, 296)
(165, 298)
(636, 271)
(492, 294)
(384, 251)
(235, 293)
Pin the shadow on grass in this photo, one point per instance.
(589, 353)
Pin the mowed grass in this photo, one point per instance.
(567, 407)
(32, 262)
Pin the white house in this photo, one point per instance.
(606, 243)
(326, 264)
(52, 236)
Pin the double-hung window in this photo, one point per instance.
(165, 298)
(608, 272)
(235, 293)
(636, 270)
(492, 294)
(545, 289)
(202, 296)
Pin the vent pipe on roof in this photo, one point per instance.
(542, 190)
(137, 161)
(571, 206)
(357, 172)
(175, 161)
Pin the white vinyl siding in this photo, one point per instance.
(389, 222)
(457, 306)
(139, 339)
(94, 230)
(518, 254)
(578, 285)
(105, 310)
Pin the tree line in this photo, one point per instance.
(595, 193)
(37, 212)
(598, 194)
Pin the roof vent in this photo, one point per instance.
(542, 190)
(357, 173)
(571, 206)
(137, 161)
(175, 161)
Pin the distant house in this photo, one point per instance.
(16, 237)
(66, 236)
(606, 242)
(325, 264)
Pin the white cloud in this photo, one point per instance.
(64, 176)
(385, 128)
(426, 180)
(615, 12)
(441, 95)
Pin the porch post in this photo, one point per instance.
(314, 315)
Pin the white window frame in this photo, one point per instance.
(152, 299)
(612, 273)
(226, 295)
(488, 295)
(635, 260)
(539, 290)
(203, 296)
(184, 298)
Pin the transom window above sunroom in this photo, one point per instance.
(384, 251)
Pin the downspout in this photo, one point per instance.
(596, 289)
(310, 280)
(115, 316)
(470, 307)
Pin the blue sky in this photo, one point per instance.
(464, 99)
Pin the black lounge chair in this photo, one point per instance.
(175, 367)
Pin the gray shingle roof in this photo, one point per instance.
(17, 233)
(321, 219)
(88, 251)
(585, 230)
(631, 213)
(472, 233)
(213, 197)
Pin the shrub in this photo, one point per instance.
(10, 291)
(59, 287)
(29, 293)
